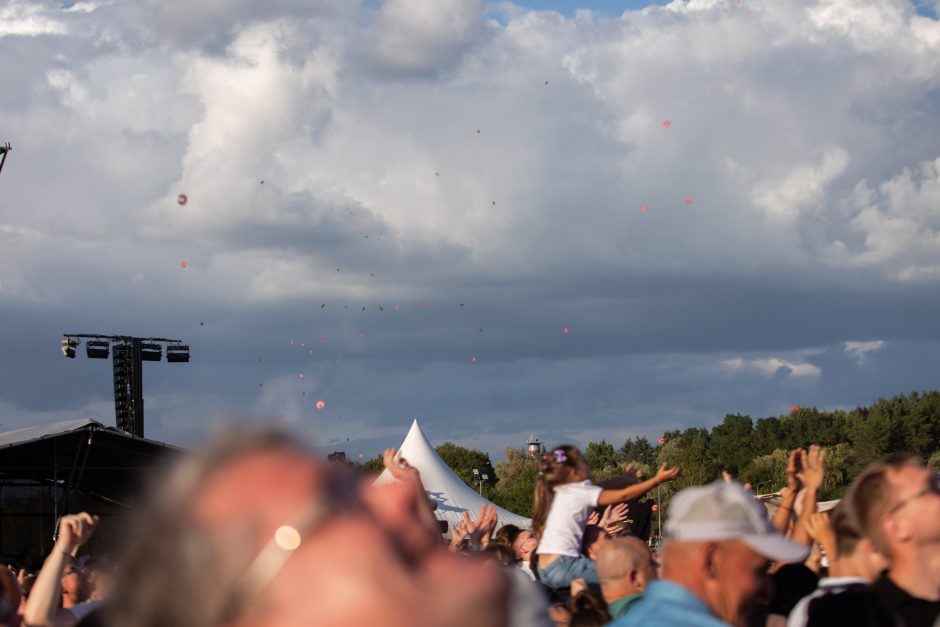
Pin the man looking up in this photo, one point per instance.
(719, 546)
(625, 567)
(897, 504)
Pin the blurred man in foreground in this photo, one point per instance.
(256, 531)
(719, 546)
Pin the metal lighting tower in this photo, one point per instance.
(128, 355)
(4, 149)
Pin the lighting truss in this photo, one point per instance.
(127, 357)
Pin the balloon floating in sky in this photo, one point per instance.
(473, 360)
(662, 441)
(565, 330)
(644, 208)
(301, 375)
(666, 123)
(320, 405)
(794, 409)
(688, 201)
(421, 306)
(182, 199)
(183, 264)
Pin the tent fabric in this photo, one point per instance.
(453, 496)
(103, 461)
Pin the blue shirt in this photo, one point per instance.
(669, 605)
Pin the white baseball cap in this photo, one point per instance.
(724, 510)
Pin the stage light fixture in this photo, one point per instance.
(68, 347)
(177, 353)
(150, 352)
(97, 349)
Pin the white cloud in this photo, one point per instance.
(858, 350)
(28, 19)
(773, 366)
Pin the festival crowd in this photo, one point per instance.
(255, 530)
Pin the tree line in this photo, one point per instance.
(753, 451)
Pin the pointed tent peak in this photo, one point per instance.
(416, 436)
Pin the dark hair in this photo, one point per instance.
(588, 611)
(504, 554)
(555, 468)
(507, 534)
(592, 533)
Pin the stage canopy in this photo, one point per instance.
(104, 462)
(453, 496)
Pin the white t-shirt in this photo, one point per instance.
(564, 527)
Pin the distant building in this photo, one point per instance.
(533, 448)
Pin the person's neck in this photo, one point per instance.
(916, 570)
(615, 591)
(850, 566)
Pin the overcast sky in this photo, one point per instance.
(496, 218)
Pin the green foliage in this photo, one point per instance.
(516, 482)
(463, 461)
(600, 456)
(638, 451)
(731, 442)
(373, 466)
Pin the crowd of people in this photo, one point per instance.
(255, 530)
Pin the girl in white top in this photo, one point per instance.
(564, 498)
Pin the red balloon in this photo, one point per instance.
(183, 264)
(655, 508)
(321, 405)
(662, 441)
(182, 199)
(794, 409)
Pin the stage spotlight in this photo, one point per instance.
(97, 349)
(177, 353)
(150, 352)
(68, 347)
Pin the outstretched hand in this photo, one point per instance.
(665, 473)
(813, 467)
(481, 529)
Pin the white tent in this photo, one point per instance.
(453, 496)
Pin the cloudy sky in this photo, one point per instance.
(498, 218)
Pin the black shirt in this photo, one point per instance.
(912, 611)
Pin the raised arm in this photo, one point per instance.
(635, 491)
(43, 602)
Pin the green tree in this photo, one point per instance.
(373, 466)
(639, 451)
(601, 455)
(463, 461)
(516, 482)
(731, 442)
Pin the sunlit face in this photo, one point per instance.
(525, 544)
(375, 564)
(914, 515)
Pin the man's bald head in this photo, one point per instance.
(624, 567)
